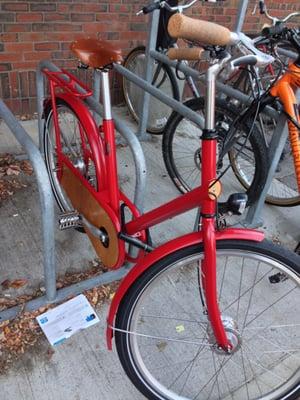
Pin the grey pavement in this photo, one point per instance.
(82, 368)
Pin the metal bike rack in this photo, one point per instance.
(46, 204)
(279, 137)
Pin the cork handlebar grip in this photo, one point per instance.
(181, 26)
(189, 54)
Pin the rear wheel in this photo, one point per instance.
(74, 145)
(165, 342)
(163, 79)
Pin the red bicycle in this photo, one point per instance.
(213, 314)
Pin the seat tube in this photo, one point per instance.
(208, 176)
(110, 145)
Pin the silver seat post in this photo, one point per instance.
(211, 75)
(105, 93)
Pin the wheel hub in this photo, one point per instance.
(80, 165)
(232, 333)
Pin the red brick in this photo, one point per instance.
(29, 17)
(33, 36)
(8, 37)
(46, 46)
(7, 17)
(14, 84)
(5, 67)
(57, 17)
(46, 27)
(24, 87)
(43, 7)
(39, 55)
(4, 83)
(32, 83)
(82, 17)
(15, 6)
(63, 55)
(17, 27)
(10, 57)
(24, 65)
(39, 29)
(18, 47)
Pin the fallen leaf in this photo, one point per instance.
(5, 284)
(15, 284)
(50, 353)
(26, 167)
(13, 170)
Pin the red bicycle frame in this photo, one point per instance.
(108, 195)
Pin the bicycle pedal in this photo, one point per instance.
(69, 220)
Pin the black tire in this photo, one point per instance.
(165, 81)
(189, 151)
(65, 113)
(161, 326)
(283, 191)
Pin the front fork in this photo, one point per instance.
(208, 267)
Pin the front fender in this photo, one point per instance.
(163, 251)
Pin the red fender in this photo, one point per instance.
(161, 252)
(95, 139)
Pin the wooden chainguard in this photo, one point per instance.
(86, 204)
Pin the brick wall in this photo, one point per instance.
(38, 29)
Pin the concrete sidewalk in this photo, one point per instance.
(82, 368)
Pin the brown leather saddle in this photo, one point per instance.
(96, 53)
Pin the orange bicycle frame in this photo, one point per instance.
(285, 89)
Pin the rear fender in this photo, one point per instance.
(163, 251)
(86, 119)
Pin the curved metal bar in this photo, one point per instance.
(46, 198)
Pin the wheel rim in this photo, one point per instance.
(283, 190)
(75, 147)
(158, 112)
(266, 359)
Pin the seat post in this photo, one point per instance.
(105, 93)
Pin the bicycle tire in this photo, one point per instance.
(84, 165)
(175, 142)
(163, 338)
(283, 191)
(166, 81)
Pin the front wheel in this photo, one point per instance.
(165, 342)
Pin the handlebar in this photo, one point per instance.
(275, 21)
(164, 4)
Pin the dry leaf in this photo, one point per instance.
(12, 171)
(18, 283)
(26, 167)
(5, 284)
(15, 284)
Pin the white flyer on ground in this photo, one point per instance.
(63, 321)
